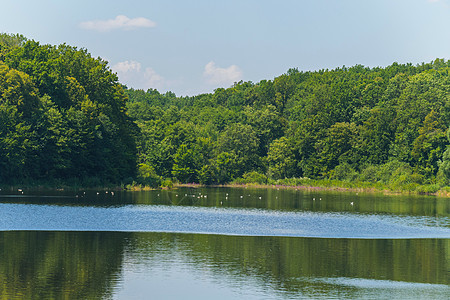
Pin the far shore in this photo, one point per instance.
(317, 185)
(371, 190)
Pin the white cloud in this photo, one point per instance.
(131, 74)
(153, 79)
(120, 22)
(127, 66)
(216, 75)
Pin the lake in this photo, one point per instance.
(223, 243)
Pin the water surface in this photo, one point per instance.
(231, 244)
(227, 221)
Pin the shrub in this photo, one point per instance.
(147, 176)
(369, 173)
(343, 172)
(427, 189)
(252, 177)
(167, 183)
(393, 169)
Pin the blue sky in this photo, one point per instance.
(192, 47)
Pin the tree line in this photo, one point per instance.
(65, 115)
(363, 124)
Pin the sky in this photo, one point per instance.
(191, 47)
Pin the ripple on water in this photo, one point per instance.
(228, 221)
(363, 288)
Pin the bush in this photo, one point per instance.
(252, 177)
(393, 169)
(344, 172)
(147, 176)
(406, 182)
(167, 183)
(427, 189)
(369, 173)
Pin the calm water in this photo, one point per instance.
(223, 244)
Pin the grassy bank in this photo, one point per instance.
(338, 185)
(289, 183)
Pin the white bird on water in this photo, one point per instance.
(351, 203)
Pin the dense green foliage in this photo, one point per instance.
(62, 115)
(383, 125)
(65, 115)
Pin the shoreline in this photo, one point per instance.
(316, 186)
(368, 190)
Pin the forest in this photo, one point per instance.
(64, 116)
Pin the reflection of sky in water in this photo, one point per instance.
(228, 221)
(361, 288)
(158, 272)
(169, 266)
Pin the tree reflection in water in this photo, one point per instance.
(90, 265)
